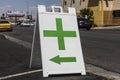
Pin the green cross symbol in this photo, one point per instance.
(59, 33)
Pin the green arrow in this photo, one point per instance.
(59, 59)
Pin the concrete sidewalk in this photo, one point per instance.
(107, 27)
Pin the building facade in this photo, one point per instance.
(78, 4)
(106, 12)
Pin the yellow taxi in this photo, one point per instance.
(5, 25)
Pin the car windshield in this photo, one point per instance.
(1, 22)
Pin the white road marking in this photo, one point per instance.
(18, 41)
(20, 74)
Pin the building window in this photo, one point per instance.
(65, 2)
(73, 1)
(116, 13)
(93, 3)
(107, 4)
(57, 9)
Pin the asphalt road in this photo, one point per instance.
(15, 58)
(22, 33)
(100, 47)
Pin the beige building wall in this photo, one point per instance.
(116, 20)
(116, 5)
(108, 10)
(97, 8)
(79, 4)
(103, 11)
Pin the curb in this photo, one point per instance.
(102, 72)
(111, 27)
(89, 68)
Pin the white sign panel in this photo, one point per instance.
(60, 42)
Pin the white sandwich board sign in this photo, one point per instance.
(59, 42)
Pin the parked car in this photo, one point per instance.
(18, 22)
(26, 24)
(13, 24)
(84, 23)
(5, 25)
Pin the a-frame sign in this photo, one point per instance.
(56, 38)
